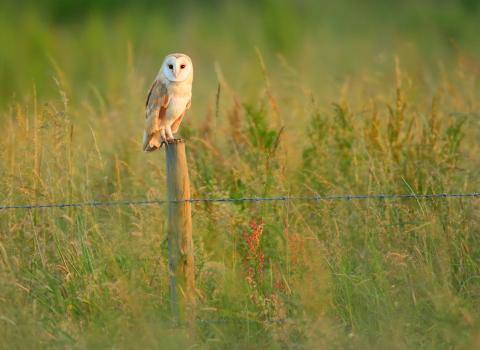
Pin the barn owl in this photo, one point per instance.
(169, 97)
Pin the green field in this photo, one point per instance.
(289, 98)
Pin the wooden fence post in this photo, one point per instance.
(180, 243)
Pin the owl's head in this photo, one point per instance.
(177, 67)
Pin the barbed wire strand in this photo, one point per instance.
(244, 199)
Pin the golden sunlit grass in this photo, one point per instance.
(347, 274)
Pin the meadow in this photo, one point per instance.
(289, 98)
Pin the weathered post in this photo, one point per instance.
(180, 243)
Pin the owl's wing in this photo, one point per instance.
(155, 109)
(157, 99)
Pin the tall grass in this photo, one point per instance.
(321, 116)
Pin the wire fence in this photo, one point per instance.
(345, 197)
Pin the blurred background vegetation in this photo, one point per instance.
(289, 97)
(89, 40)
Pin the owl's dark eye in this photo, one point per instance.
(170, 66)
(182, 66)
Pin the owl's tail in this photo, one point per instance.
(150, 142)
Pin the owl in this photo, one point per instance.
(168, 99)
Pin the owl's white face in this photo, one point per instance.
(177, 67)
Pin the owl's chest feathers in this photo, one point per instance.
(180, 95)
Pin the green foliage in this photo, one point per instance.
(328, 110)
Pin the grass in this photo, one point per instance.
(327, 107)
